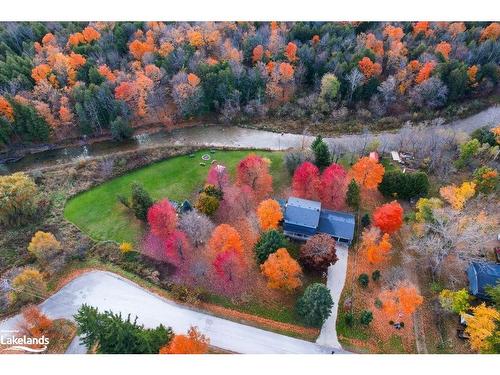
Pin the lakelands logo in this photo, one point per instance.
(22, 343)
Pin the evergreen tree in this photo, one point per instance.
(111, 334)
(315, 305)
(141, 201)
(352, 196)
(322, 157)
(268, 243)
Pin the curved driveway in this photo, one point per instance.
(108, 291)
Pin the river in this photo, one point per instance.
(230, 136)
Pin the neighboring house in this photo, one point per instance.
(480, 275)
(181, 208)
(304, 218)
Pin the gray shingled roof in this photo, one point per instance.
(337, 224)
(302, 212)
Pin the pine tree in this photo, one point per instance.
(322, 156)
(141, 201)
(352, 196)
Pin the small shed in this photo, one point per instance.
(395, 156)
(374, 155)
(481, 275)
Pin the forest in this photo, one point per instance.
(62, 80)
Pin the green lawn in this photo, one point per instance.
(98, 213)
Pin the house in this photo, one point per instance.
(481, 275)
(304, 218)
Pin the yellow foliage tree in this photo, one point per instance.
(481, 326)
(456, 196)
(282, 271)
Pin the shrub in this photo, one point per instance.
(44, 246)
(349, 319)
(484, 135)
(378, 303)
(363, 280)
(141, 201)
(366, 317)
(315, 305)
(268, 243)
(376, 275)
(395, 183)
(121, 129)
(28, 287)
(365, 220)
(18, 199)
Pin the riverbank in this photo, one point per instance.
(195, 132)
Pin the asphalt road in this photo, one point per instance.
(108, 291)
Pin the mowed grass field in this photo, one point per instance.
(98, 212)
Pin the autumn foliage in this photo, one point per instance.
(282, 271)
(269, 214)
(369, 68)
(481, 326)
(456, 196)
(253, 171)
(306, 181)
(368, 173)
(403, 300)
(192, 343)
(388, 217)
(333, 187)
(162, 218)
(375, 245)
(224, 238)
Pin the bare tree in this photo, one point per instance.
(355, 78)
(197, 226)
(451, 236)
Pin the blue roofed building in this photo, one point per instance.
(304, 218)
(481, 275)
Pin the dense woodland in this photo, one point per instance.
(66, 79)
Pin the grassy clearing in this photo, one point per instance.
(98, 212)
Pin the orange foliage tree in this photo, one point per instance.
(388, 217)
(403, 300)
(269, 214)
(444, 48)
(282, 271)
(291, 52)
(492, 31)
(375, 245)
(192, 343)
(257, 53)
(420, 27)
(368, 173)
(35, 323)
(425, 72)
(224, 238)
(369, 68)
(6, 109)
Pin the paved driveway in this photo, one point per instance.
(335, 282)
(105, 290)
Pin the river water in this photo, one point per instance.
(230, 136)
